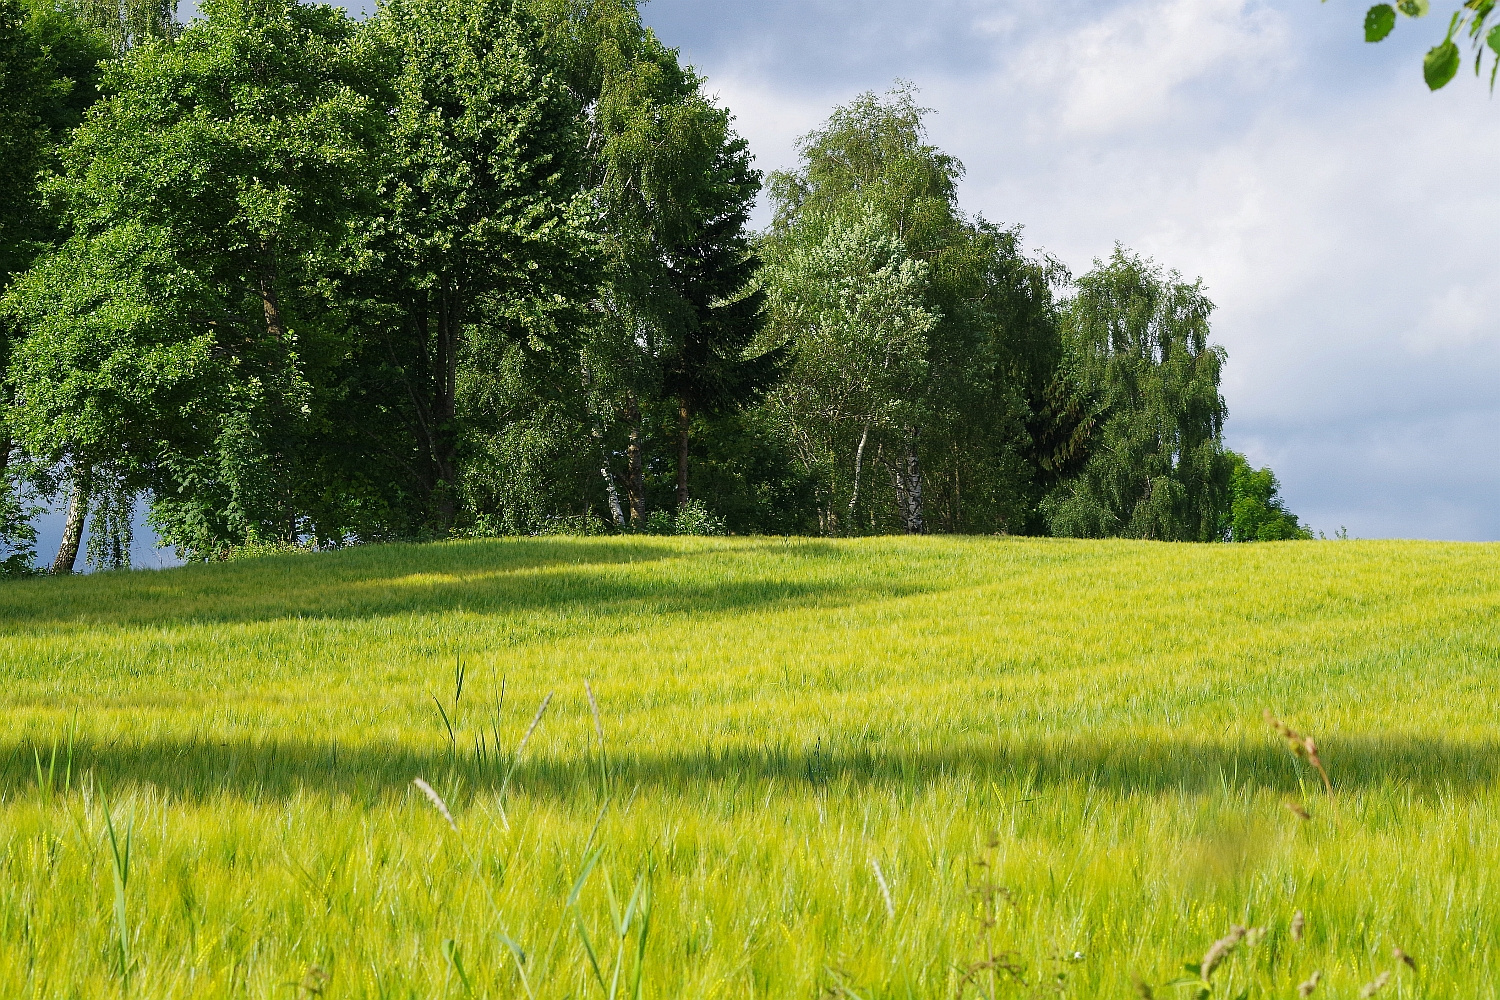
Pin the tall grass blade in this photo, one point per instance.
(120, 857)
(583, 876)
(455, 961)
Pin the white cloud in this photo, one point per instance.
(1137, 63)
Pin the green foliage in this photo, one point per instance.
(693, 518)
(127, 23)
(231, 294)
(872, 155)
(17, 533)
(49, 75)
(479, 250)
(480, 268)
(1443, 61)
(177, 333)
(1256, 512)
(1379, 22)
(1138, 344)
(946, 388)
(851, 307)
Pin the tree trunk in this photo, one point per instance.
(615, 512)
(859, 461)
(443, 503)
(683, 420)
(78, 508)
(5, 446)
(637, 475)
(915, 523)
(270, 302)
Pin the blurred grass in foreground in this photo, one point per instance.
(883, 768)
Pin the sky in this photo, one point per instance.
(1343, 218)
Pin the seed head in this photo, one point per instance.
(1299, 925)
(1306, 989)
(594, 708)
(885, 890)
(535, 721)
(1220, 950)
(436, 800)
(1310, 748)
(1406, 960)
(1376, 986)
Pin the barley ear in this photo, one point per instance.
(436, 800)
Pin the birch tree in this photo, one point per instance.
(849, 306)
(1138, 340)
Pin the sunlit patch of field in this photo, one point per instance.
(881, 768)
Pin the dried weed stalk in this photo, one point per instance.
(1303, 746)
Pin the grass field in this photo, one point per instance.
(885, 768)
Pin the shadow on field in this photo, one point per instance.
(273, 769)
(491, 576)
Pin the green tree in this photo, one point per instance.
(124, 24)
(1474, 18)
(478, 251)
(674, 187)
(661, 361)
(1256, 512)
(176, 336)
(49, 75)
(22, 142)
(1138, 344)
(707, 366)
(963, 457)
(851, 308)
(49, 70)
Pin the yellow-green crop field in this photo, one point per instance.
(884, 768)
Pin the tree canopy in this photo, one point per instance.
(487, 266)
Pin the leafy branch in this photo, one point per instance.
(1443, 61)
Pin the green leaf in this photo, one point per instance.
(514, 948)
(1379, 22)
(1493, 38)
(583, 876)
(588, 947)
(1441, 65)
(450, 952)
(1414, 8)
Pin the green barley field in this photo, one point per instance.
(886, 768)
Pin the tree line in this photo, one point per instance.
(477, 267)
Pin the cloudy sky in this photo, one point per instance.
(1344, 219)
(1337, 211)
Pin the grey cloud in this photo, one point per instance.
(807, 42)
